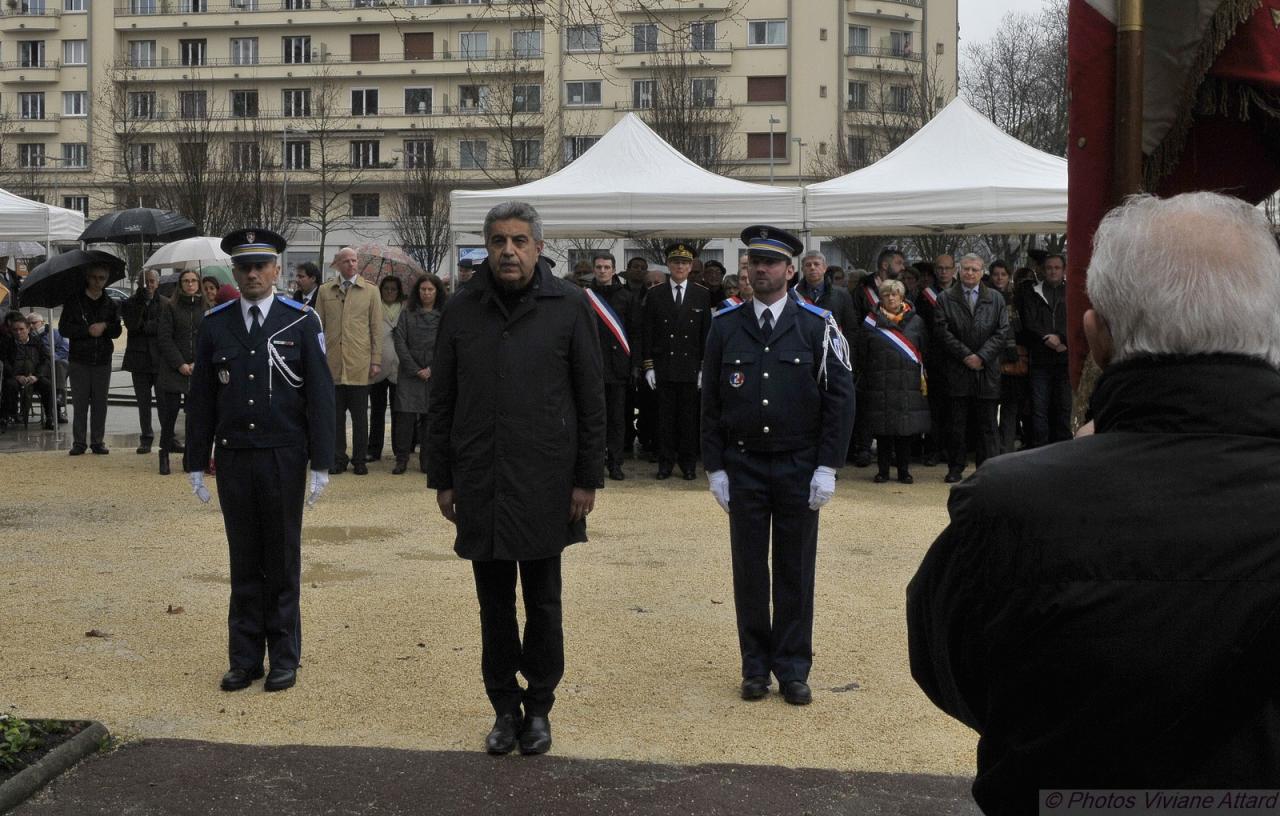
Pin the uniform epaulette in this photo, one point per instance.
(221, 306)
(701, 285)
(293, 304)
(727, 309)
(818, 310)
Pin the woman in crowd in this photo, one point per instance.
(891, 385)
(392, 292)
(1015, 391)
(175, 351)
(209, 286)
(414, 339)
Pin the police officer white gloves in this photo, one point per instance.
(720, 487)
(319, 481)
(651, 380)
(822, 487)
(196, 477)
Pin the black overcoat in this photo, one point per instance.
(984, 331)
(516, 418)
(141, 316)
(674, 339)
(890, 396)
(617, 361)
(176, 333)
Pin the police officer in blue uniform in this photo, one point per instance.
(777, 412)
(260, 387)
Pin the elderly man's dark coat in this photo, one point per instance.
(984, 331)
(516, 418)
(1106, 615)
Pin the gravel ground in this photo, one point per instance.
(391, 643)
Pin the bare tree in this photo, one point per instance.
(420, 209)
(131, 116)
(678, 99)
(508, 106)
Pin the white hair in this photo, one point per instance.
(1197, 273)
(972, 256)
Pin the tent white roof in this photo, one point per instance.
(633, 183)
(24, 220)
(957, 174)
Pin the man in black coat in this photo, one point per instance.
(815, 287)
(90, 321)
(1043, 307)
(777, 411)
(971, 324)
(615, 311)
(1103, 612)
(141, 315)
(675, 322)
(515, 441)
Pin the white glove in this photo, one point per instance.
(720, 487)
(822, 487)
(319, 481)
(651, 379)
(196, 477)
(699, 380)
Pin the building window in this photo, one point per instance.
(417, 101)
(78, 203)
(73, 5)
(364, 102)
(143, 6)
(702, 36)
(758, 146)
(364, 205)
(297, 50)
(526, 152)
(941, 49)
(857, 151)
(30, 155)
(473, 98)
(75, 154)
(579, 94)
(141, 105)
(900, 98)
(297, 155)
(900, 43)
(857, 97)
(859, 40)
(526, 44)
(31, 53)
(704, 150)
(526, 98)
(364, 153)
(298, 205)
(297, 5)
(246, 156)
(31, 105)
(473, 154)
(193, 104)
(644, 38)
(142, 53)
(767, 89)
(473, 45)
(643, 92)
(767, 32)
(73, 52)
(296, 101)
(193, 6)
(703, 92)
(192, 52)
(244, 5)
(419, 153)
(75, 103)
(420, 46)
(244, 51)
(244, 104)
(365, 48)
(584, 38)
(575, 146)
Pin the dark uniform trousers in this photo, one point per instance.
(769, 493)
(540, 657)
(144, 387)
(615, 411)
(679, 408)
(89, 386)
(261, 491)
(353, 399)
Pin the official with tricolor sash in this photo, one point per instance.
(616, 319)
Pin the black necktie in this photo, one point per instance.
(255, 314)
(766, 323)
(679, 295)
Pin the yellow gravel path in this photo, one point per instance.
(391, 632)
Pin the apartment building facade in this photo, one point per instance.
(318, 110)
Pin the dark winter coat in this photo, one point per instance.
(516, 419)
(984, 332)
(415, 343)
(617, 362)
(1116, 625)
(176, 335)
(80, 312)
(141, 316)
(673, 339)
(889, 393)
(25, 359)
(1044, 312)
(839, 302)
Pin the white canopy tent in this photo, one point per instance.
(24, 220)
(632, 183)
(957, 174)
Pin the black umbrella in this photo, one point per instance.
(55, 281)
(139, 225)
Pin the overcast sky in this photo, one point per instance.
(979, 18)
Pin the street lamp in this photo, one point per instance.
(284, 169)
(799, 160)
(773, 120)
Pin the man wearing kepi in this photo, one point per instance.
(515, 440)
(777, 411)
(260, 387)
(1115, 627)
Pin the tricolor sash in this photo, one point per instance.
(900, 342)
(609, 318)
(930, 295)
(729, 303)
(872, 295)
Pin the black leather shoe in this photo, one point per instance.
(280, 679)
(880, 478)
(754, 688)
(164, 463)
(48, 425)
(143, 448)
(905, 478)
(502, 738)
(237, 679)
(796, 692)
(360, 469)
(401, 467)
(615, 473)
(535, 736)
(663, 473)
(689, 475)
(101, 450)
(862, 459)
(77, 450)
(953, 476)
(336, 469)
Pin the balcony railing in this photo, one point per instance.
(28, 65)
(159, 7)
(28, 10)
(321, 56)
(876, 51)
(166, 114)
(719, 46)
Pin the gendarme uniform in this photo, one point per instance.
(266, 396)
(776, 405)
